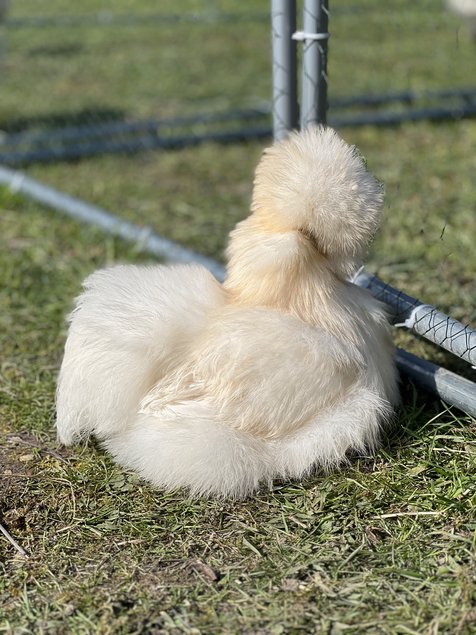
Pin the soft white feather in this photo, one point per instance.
(284, 367)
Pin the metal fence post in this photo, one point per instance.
(285, 109)
(314, 62)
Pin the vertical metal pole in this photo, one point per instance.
(285, 110)
(314, 62)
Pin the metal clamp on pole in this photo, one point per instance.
(302, 36)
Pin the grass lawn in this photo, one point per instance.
(386, 545)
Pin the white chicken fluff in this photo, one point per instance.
(284, 367)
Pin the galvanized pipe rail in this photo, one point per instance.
(423, 319)
(143, 237)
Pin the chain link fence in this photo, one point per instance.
(100, 77)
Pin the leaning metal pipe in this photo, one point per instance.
(283, 25)
(424, 319)
(144, 237)
(450, 387)
(314, 62)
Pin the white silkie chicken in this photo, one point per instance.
(284, 367)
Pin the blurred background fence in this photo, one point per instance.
(101, 77)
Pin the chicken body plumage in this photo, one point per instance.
(285, 366)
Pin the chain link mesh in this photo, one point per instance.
(283, 25)
(424, 319)
(314, 62)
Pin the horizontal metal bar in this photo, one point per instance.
(128, 127)
(120, 127)
(152, 141)
(131, 146)
(467, 94)
(111, 18)
(443, 113)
